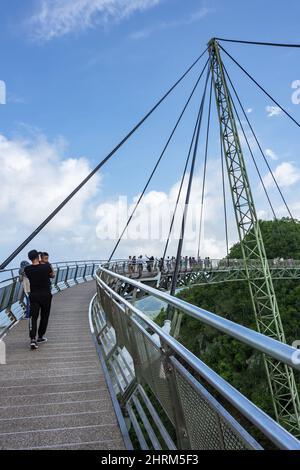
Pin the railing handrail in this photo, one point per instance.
(209, 264)
(55, 263)
(274, 431)
(281, 263)
(265, 344)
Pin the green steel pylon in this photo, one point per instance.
(280, 377)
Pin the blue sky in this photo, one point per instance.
(78, 80)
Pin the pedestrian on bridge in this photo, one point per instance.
(40, 296)
(129, 265)
(149, 263)
(140, 263)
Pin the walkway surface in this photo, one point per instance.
(56, 397)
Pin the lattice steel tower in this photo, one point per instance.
(280, 377)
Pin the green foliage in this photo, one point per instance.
(161, 317)
(281, 239)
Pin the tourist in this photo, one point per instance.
(133, 263)
(161, 265)
(140, 264)
(129, 264)
(40, 297)
(149, 263)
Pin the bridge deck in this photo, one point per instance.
(56, 397)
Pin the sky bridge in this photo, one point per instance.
(65, 397)
(112, 378)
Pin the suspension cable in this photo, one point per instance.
(253, 159)
(258, 43)
(159, 160)
(205, 167)
(257, 142)
(180, 187)
(261, 87)
(188, 194)
(97, 168)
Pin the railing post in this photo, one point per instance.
(22, 297)
(135, 351)
(8, 311)
(66, 277)
(84, 271)
(128, 394)
(75, 275)
(55, 283)
(183, 441)
(93, 271)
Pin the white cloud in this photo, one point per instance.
(35, 177)
(286, 175)
(273, 111)
(149, 228)
(249, 110)
(198, 15)
(55, 18)
(15, 99)
(2, 92)
(163, 25)
(271, 154)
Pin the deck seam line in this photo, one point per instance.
(71, 444)
(45, 385)
(54, 416)
(51, 403)
(68, 428)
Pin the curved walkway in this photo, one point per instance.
(57, 397)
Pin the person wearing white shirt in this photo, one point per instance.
(140, 263)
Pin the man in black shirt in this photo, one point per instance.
(40, 297)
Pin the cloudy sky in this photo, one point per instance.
(80, 73)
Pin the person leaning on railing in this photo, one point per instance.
(26, 285)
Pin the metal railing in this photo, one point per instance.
(11, 274)
(152, 268)
(13, 299)
(208, 271)
(171, 398)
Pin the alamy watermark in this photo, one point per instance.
(2, 353)
(151, 221)
(2, 92)
(296, 93)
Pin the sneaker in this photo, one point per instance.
(42, 340)
(33, 344)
